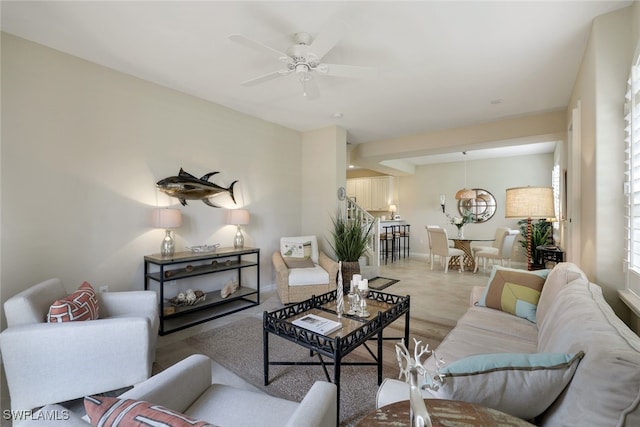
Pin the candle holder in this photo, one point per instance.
(362, 294)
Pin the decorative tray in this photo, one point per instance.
(203, 248)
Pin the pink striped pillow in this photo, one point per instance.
(80, 305)
(113, 412)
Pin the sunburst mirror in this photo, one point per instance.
(482, 208)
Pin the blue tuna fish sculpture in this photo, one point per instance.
(185, 187)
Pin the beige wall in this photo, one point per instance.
(419, 194)
(599, 90)
(82, 148)
(324, 154)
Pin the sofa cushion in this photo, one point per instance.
(523, 385)
(561, 274)
(80, 305)
(505, 324)
(514, 291)
(468, 340)
(113, 412)
(609, 374)
(230, 406)
(308, 276)
(304, 262)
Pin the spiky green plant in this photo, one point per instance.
(350, 236)
(541, 234)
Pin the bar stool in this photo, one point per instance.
(395, 244)
(385, 238)
(404, 239)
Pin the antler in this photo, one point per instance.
(407, 364)
(403, 353)
(419, 351)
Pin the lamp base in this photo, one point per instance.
(167, 248)
(238, 241)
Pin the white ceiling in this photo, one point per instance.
(441, 64)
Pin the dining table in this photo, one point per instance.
(468, 260)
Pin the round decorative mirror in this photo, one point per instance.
(482, 208)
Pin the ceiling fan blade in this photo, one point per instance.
(265, 78)
(239, 38)
(328, 38)
(352, 71)
(310, 89)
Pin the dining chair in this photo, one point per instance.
(439, 242)
(429, 242)
(497, 241)
(505, 238)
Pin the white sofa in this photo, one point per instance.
(572, 316)
(187, 387)
(54, 362)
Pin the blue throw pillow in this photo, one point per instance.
(522, 385)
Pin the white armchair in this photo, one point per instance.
(188, 388)
(54, 362)
(296, 282)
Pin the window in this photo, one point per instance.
(632, 178)
(555, 183)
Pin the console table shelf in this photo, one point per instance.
(179, 267)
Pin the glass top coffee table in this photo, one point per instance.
(384, 309)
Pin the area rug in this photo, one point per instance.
(238, 347)
(379, 283)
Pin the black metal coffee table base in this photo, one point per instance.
(385, 309)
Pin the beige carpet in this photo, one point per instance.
(238, 347)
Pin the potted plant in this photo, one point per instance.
(350, 240)
(541, 235)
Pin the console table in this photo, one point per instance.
(162, 271)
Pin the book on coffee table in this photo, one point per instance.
(317, 324)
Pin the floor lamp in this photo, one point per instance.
(529, 202)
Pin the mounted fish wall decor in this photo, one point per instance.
(185, 187)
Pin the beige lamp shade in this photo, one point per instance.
(465, 193)
(529, 202)
(238, 217)
(393, 208)
(166, 218)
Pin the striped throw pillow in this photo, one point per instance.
(80, 305)
(113, 412)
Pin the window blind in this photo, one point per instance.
(632, 179)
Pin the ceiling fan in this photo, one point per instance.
(303, 58)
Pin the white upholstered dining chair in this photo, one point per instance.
(439, 242)
(501, 250)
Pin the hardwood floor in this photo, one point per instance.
(438, 300)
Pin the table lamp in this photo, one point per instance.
(238, 217)
(393, 209)
(166, 218)
(529, 202)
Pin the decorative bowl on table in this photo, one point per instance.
(203, 248)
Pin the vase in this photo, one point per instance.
(460, 232)
(349, 268)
